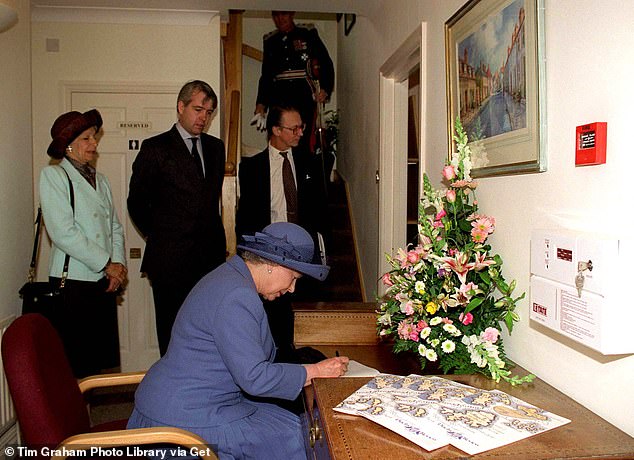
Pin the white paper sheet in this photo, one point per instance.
(356, 369)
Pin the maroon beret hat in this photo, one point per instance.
(68, 126)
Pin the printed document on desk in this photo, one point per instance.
(434, 412)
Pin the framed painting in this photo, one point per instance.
(496, 82)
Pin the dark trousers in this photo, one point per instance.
(279, 313)
(88, 326)
(168, 298)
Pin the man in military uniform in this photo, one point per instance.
(296, 70)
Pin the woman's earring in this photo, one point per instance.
(269, 271)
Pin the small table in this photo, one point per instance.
(350, 330)
(340, 436)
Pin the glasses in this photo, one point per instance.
(295, 129)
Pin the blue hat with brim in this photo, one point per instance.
(288, 245)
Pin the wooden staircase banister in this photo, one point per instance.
(233, 134)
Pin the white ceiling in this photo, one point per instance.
(361, 7)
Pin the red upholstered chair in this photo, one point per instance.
(49, 401)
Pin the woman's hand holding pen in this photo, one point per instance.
(331, 367)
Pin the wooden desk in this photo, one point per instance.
(350, 329)
(343, 436)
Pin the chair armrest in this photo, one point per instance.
(135, 437)
(110, 380)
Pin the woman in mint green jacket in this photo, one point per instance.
(91, 234)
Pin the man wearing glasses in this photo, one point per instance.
(265, 197)
(281, 184)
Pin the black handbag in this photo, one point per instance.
(42, 296)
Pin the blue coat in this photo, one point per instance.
(221, 351)
(92, 236)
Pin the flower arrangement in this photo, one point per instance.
(446, 297)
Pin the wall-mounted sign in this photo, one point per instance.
(134, 125)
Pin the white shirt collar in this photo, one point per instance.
(184, 134)
(275, 153)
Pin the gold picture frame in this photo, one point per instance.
(495, 71)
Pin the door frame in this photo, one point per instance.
(392, 175)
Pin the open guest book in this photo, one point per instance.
(434, 412)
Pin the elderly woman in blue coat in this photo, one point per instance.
(219, 367)
(89, 232)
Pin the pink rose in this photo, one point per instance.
(466, 318)
(421, 325)
(490, 334)
(413, 257)
(408, 308)
(449, 172)
(451, 195)
(441, 214)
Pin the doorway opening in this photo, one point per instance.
(402, 149)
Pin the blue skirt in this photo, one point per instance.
(269, 433)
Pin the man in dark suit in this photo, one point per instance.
(264, 200)
(174, 201)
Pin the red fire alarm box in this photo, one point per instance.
(590, 146)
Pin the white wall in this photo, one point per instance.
(16, 192)
(99, 49)
(590, 64)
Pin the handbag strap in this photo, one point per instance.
(72, 205)
(36, 242)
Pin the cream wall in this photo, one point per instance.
(588, 73)
(16, 192)
(148, 53)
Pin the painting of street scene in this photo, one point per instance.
(492, 74)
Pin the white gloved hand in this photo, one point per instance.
(259, 121)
